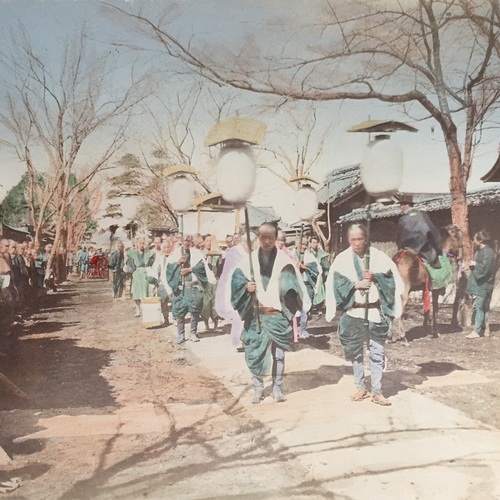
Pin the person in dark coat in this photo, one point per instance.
(481, 282)
(116, 264)
(417, 231)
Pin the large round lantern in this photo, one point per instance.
(382, 167)
(180, 187)
(236, 172)
(305, 199)
(181, 193)
(306, 202)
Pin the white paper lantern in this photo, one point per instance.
(236, 172)
(306, 202)
(181, 193)
(382, 167)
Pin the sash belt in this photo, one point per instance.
(370, 305)
(268, 310)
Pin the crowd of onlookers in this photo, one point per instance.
(23, 279)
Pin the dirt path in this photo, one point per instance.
(118, 411)
(459, 372)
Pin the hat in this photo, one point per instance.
(405, 199)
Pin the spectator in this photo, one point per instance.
(70, 260)
(39, 264)
(481, 282)
(19, 278)
(82, 260)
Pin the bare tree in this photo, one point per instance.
(442, 56)
(55, 107)
(305, 137)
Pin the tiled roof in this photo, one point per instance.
(493, 175)
(340, 183)
(259, 215)
(425, 202)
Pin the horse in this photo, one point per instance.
(416, 276)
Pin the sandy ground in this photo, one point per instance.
(118, 411)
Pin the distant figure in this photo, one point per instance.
(70, 259)
(137, 262)
(157, 276)
(187, 276)
(82, 260)
(19, 276)
(369, 298)
(116, 264)
(417, 231)
(481, 282)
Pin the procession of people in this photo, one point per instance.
(264, 285)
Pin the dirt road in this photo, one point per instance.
(118, 411)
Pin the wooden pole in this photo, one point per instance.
(252, 273)
(367, 260)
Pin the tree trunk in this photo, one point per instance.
(459, 207)
(52, 259)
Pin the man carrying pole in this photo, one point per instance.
(280, 293)
(369, 297)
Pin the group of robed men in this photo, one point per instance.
(260, 296)
(363, 283)
(270, 289)
(175, 270)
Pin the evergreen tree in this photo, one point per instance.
(14, 208)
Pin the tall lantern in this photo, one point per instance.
(236, 168)
(382, 167)
(305, 204)
(382, 164)
(180, 189)
(236, 172)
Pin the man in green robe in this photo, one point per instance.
(116, 263)
(365, 285)
(137, 262)
(187, 276)
(312, 263)
(481, 282)
(266, 302)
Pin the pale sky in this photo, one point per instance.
(49, 22)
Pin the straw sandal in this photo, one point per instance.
(378, 399)
(360, 394)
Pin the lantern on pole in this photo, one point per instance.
(305, 200)
(236, 167)
(305, 203)
(381, 168)
(236, 172)
(180, 189)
